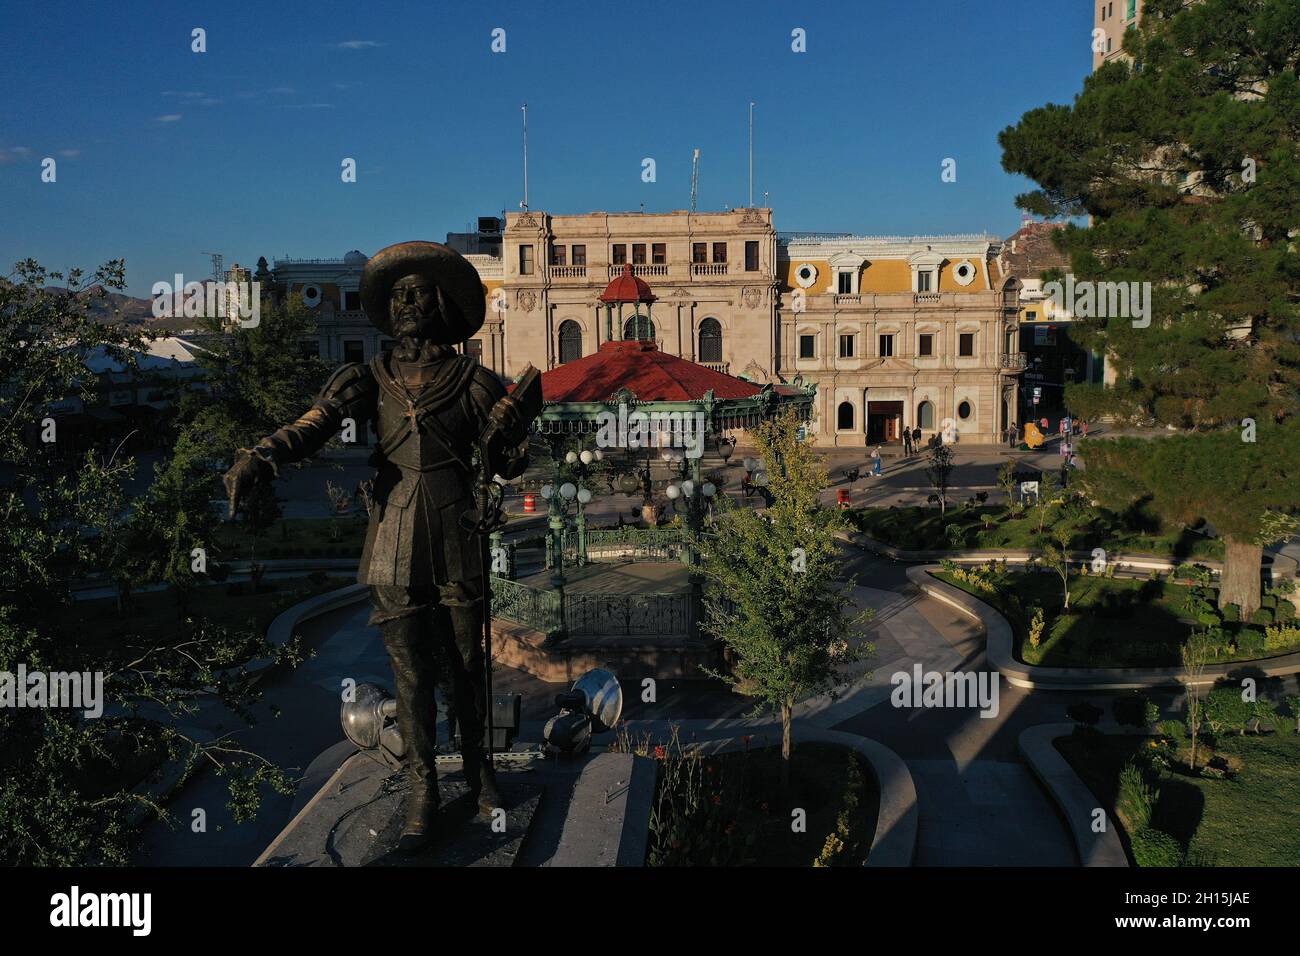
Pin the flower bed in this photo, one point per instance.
(728, 809)
(1121, 622)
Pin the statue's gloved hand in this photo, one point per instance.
(247, 476)
(509, 421)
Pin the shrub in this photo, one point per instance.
(1135, 799)
(1128, 710)
(1174, 729)
(1150, 712)
(1285, 611)
(1250, 643)
(1280, 636)
(1036, 625)
(1264, 616)
(1231, 613)
(1225, 710)
(1152, 847)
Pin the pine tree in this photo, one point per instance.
(1186, 157)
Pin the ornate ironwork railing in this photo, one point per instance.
(1015, 361)
(627, 615)
(528, 606)
(646, 544)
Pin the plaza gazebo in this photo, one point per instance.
(630, 401)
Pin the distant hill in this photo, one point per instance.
(116, 307)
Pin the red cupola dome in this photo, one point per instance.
(627, 288)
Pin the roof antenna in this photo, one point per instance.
(524, 205)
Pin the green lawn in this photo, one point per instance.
(919, 528)
(1112, 622)
(1252, 819)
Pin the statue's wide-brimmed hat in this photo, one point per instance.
(462, 289)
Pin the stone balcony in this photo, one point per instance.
(1013, 363)
(568, 272)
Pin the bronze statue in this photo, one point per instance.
(433, 409)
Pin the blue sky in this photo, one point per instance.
(164, 154)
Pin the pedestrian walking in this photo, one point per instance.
(916, 439)
(907, 443)
(875, 462)
(1083, 426)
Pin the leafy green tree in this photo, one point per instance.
(1186, 158)
(773, 596)
(938, 469)
(67, 780)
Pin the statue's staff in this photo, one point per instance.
(522, 405)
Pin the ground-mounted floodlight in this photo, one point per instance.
(593, 705)
(369, 720)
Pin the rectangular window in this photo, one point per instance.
(886, 346)
(579, 255)
(638, 253)
(354, 351)
(925, 345)
(474, 349)
(659, 253)
(557, 255)
(525, 260)
(699, 252)
(923, 282)
(719, 252)
(846, 346)
(751, 255)
(620, 254)
(1030, 315)
(845, 280)
(807, 346)
(966, 344)
(352, 301)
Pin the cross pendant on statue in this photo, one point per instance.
(411, 413)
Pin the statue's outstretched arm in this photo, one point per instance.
(349, 393)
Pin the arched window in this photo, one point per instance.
(710, 341)
(963, 411)
(639, 327)
(925, 415)
(844, 417)
(570, 341)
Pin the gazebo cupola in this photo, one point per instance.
(627, 289)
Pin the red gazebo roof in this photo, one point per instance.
(651, 376)
(627, 288)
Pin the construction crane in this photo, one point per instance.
(695, 178)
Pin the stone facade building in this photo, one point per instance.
(895, 332)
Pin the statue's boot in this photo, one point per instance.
(415, 675)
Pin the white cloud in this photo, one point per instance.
(168, 118)
(358, 44)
